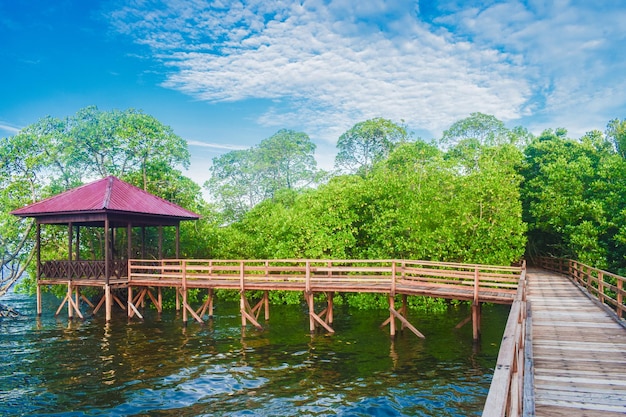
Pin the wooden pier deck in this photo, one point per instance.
(318, 279)
(579, 351)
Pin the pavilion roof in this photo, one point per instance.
(108, 196)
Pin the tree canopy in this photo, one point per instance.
(53, 155)
(482, 193)
(367, 143)
(241, 179)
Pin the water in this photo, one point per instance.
(52, 366)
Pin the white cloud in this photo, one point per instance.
(219, 146)
(328, 66)
(11, 129)
(572, 51)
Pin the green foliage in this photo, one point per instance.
(616, 133)
(477, 197)
(242, 179)
(416, 204)
(367, 143)
(483, 130)
(53, 155)
(574, 198)
(286, 297)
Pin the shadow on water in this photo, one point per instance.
(158, 367)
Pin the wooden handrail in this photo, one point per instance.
(606, 287)
(508, 393)
(313, 273)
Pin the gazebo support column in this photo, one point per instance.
(38, 269)
(107, 301)
(122, 205)
(107, 271)
(70, 313)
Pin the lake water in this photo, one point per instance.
(158, 367)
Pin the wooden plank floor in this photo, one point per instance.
(579, 351)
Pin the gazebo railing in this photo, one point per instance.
(82, 269)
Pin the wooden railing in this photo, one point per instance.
(608, 288)
(510, 393)
(82, 269)
(391, 275)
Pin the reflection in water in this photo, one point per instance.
(160, 367)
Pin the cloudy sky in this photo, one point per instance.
(227, 74)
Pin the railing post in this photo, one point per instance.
(307, 283)
(183, 265)
(600, 285)
(393, 279)
(620, 297)
(476, 309)
(476, 284)
(242, 295)
(308, 295)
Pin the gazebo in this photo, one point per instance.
(111, 204)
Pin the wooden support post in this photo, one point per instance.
(392, 321)
(247, 313)
(400, 315)
(406, 323)
(77, 297)
(242, 308)
(476, 313)
(72, 305)
(266, 304)
(132, 310)
(207, 305)
(404, 309)
(130, 302)
(38, 249)
(187, 308)
(330, 314)
(38, 299)
(315, 319)
(311, 302)
(242, 294)
(107, 301)
(70, 311)
(177, 300)
(184, 291)
(159, 300)
(107, 263)
(476, 306)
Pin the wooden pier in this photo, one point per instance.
(579, 351)
(564, 347)
(314, 278)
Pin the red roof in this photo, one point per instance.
(110, 195)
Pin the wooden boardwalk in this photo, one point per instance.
(579, 351)
(318, 279)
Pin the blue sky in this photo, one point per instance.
(227, 74)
